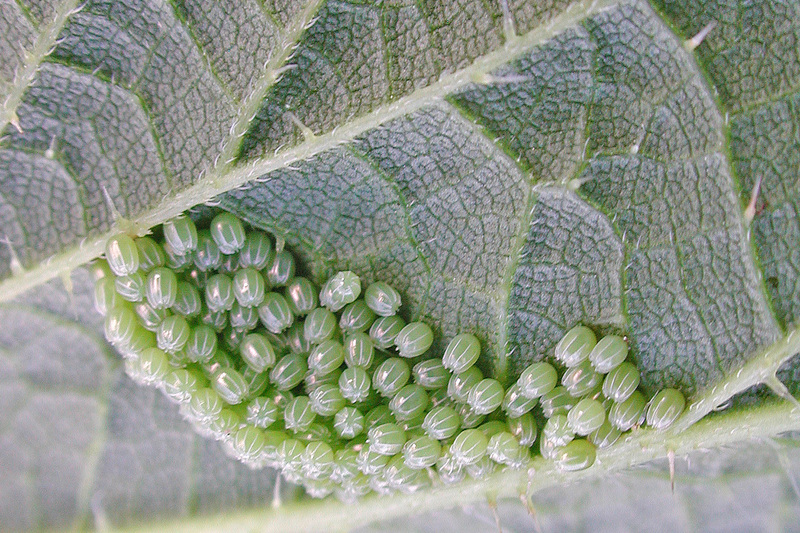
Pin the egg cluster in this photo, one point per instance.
(330, 385)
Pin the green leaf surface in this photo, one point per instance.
(513, 167)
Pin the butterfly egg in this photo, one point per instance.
(386, 439)
(205, 405)
(228, 232)
(130, 287)
(161, 288)
(105, 296)
(275, 313)
(176, 261)
(421, 452)
(486, 396)
(382, 298)
(450, 471)
(575, 346)
(326, 400)
(391, 376)
(665, 407)
(219, 293)
(384, 330)
(359, 350)
(610, 352)
(180, 385)
(469, 447)
(352, 489)
(459, 385)
(318, 460)
(341, 289)
(230, 385)
(515, 404)
(354, 384)
(524, 429)
(326, 357)
(537, 380)
(461, 353)
(577, 455)
(173, 334)
(187, 300)
(370, 462)
(248, 287)
(586, 416)
(397, 474)
(151, 366)
(431, 374)
(202, 344)
(120, 324)
(409, 403)
(313, 381)
(301, 295)
(148, 317)
(380, 414)
(224, 425)
(243, 319)
(627, 414)
(318, 488)
(356, 317)
(289, 371)
(261, 412)
(122, 255)
(296, 340)
(281, 269)
(469, 418)
(621, 382)
(604, 436)
(249, 443)
(257, 250)
(346, 463)
(290, 455)
(206, 256)
(218, 361)
(257, 352)
(558, 430)
(557, 401)
(181, 234)
(257, 382)
(547, 448)
(231, 339)
(504, 448)
(319, 326)
(348, 422)
(582, 380)
(298, 414)
(151, 255)
(216, 320)
(481, 469)
(414, 339)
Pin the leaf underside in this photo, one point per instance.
(513, 167)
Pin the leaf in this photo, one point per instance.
(514, 168)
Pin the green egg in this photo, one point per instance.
(469, 447)
(122, 255)
(275, 313)
(289, 371)
(577, 455)
(319, 326)
(281, 269)
(621, 382)
(537, 380)
(228, 232)
(459, 385)
(301, 295)
(257, 352)
(341, 289)
(326, 400)
(486, 396)
(665, 407)
(131, 287)
(382, 298)
(219, 293)
(356, 317)
(187, 300)
(257, 251)
(384, 330)
(181, 234)
(386, 439)
(627, 414)
(348, 422)
(359, 350)
(207, 255)
(326, 357)
(610, 352)
(575, 346)
(409, 403)
(414, 339)
(391, 376)
(431, 374)
(586, 416)
(151, 255)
